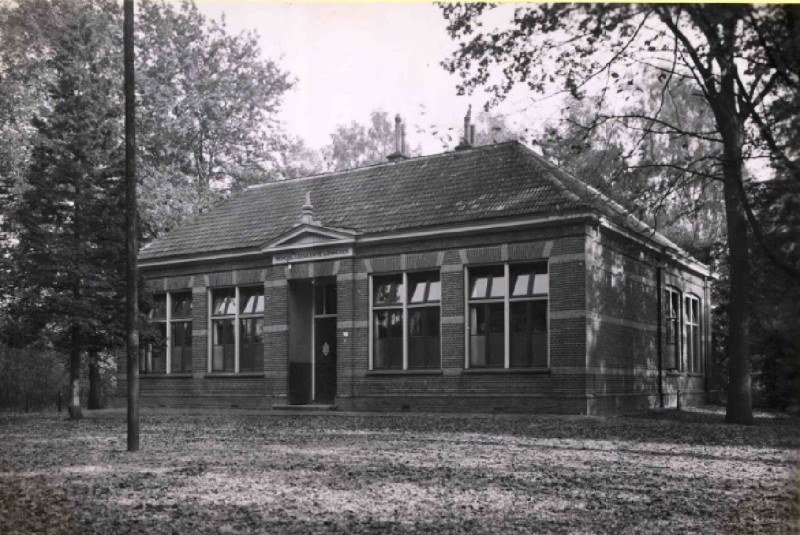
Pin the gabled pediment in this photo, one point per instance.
(307, 235)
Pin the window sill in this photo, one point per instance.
(230, 375)
(432, 371)
(511, 371)
(182, 375)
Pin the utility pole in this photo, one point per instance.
(132, 297)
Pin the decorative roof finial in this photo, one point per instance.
(307, 211)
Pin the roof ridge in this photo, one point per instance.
(381, 164)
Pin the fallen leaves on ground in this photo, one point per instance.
(343, 473)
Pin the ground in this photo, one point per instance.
(344, 473)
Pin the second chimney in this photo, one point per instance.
(399, 140)
(468, 140)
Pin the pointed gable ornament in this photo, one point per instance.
(307, 211)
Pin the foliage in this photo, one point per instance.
(357, 145)
(206, 115)
(242, 472)
(67, 264)
(30, 377)
(742, 62)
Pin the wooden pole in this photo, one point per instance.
(132, 301)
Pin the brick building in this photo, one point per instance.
(483, 279)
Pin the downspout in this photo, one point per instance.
(658, 332)
(353, 333)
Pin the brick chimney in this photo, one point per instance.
(468, 141)
(399, 140)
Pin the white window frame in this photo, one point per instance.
(506, 300)
(167, 321)
(679, 326)
(689, 339)
(237, 317)
(405, 308)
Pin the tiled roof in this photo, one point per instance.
(494, 181)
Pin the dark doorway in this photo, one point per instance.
(301, 294)
(312, 341)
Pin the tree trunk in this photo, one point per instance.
(95, 384)
(131, 277)
(740, 402)
(74, 406)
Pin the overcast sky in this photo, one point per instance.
(351, 59)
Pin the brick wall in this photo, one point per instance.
(561, 388)
(623, 320)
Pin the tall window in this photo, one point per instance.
(672, 314)
(156, 357)
(692, 333)
(251, 329)
(424, 294)
(508, 316)
(487, 296)
(529, 289)
(237, 330)
(406, 321)
(180, 322)
(172, 352)
(387, 305)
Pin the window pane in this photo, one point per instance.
(224, 302)
(181, 346)
(424, 287)
(528, 334)
(418, 292)
(487, 282)
(388, 290)
(181, 305)
(541, 284)
(223, 346)
(388, 339)
(251, 345)
(159, 311)
(487, 346)
(252, 300)
(529, 279)
(423, 338)
(434, 291)
(498, 286)
(479, 287)
(521, 285)
(158, 362)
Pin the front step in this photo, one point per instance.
(308, 407)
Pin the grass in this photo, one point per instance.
(263, 472)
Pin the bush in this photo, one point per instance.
(30, 377)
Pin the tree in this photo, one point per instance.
(207, 112)
(356, 145)
(68, 272)
(741, 60)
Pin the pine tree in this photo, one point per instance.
(69, 219)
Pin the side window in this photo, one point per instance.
(672, 318)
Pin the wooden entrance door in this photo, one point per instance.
(325, 360)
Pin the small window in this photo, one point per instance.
(529, 280)
(388, 291)
(488, 283)
(224, 302)
(252, 300)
